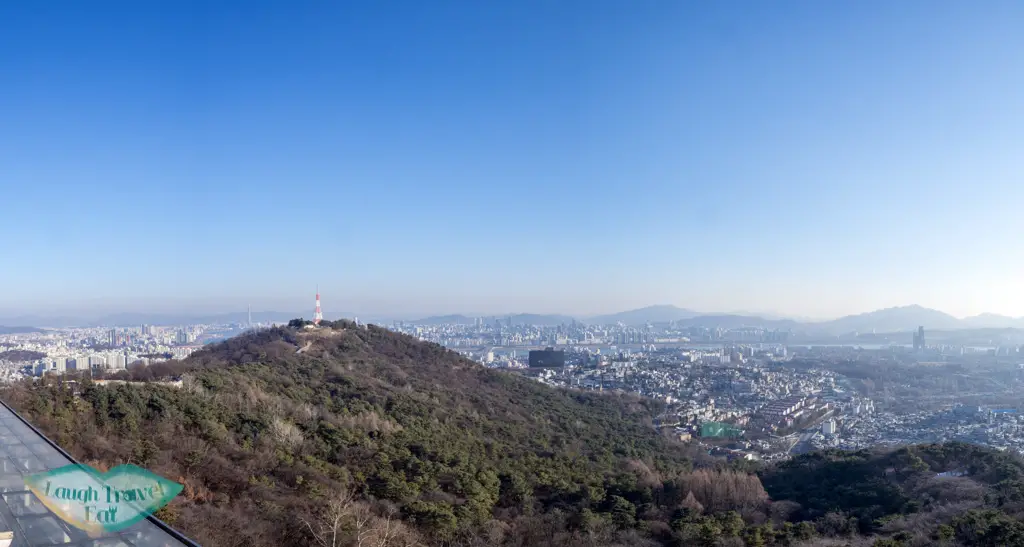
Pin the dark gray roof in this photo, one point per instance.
(25, 451)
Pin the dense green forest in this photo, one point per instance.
(349, 435)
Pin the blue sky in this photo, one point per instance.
(800, 157)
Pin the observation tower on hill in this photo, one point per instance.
(318, 315)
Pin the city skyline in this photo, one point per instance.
(583, 158)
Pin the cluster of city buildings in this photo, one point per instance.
(999, 428)
(732, 394)
(93, 349)
(744, 392)
(509, 334)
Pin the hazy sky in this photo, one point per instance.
(812, 158)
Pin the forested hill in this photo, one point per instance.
(345, 435)
(269, 429)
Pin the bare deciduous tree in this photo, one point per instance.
(347, 522)
(723, 490)
(329, 528)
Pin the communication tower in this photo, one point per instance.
(318, 316)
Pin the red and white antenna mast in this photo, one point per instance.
(318, 316)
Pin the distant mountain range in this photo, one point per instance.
(906, 318)
(898, 319)
(994, 321)
(135, 319)
(517, 319)
(650, 314)
(688, 318)
(903, 318)
(18, 330)
(158, 319)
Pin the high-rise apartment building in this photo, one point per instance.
(185, 337)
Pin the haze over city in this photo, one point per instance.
(578, 158)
